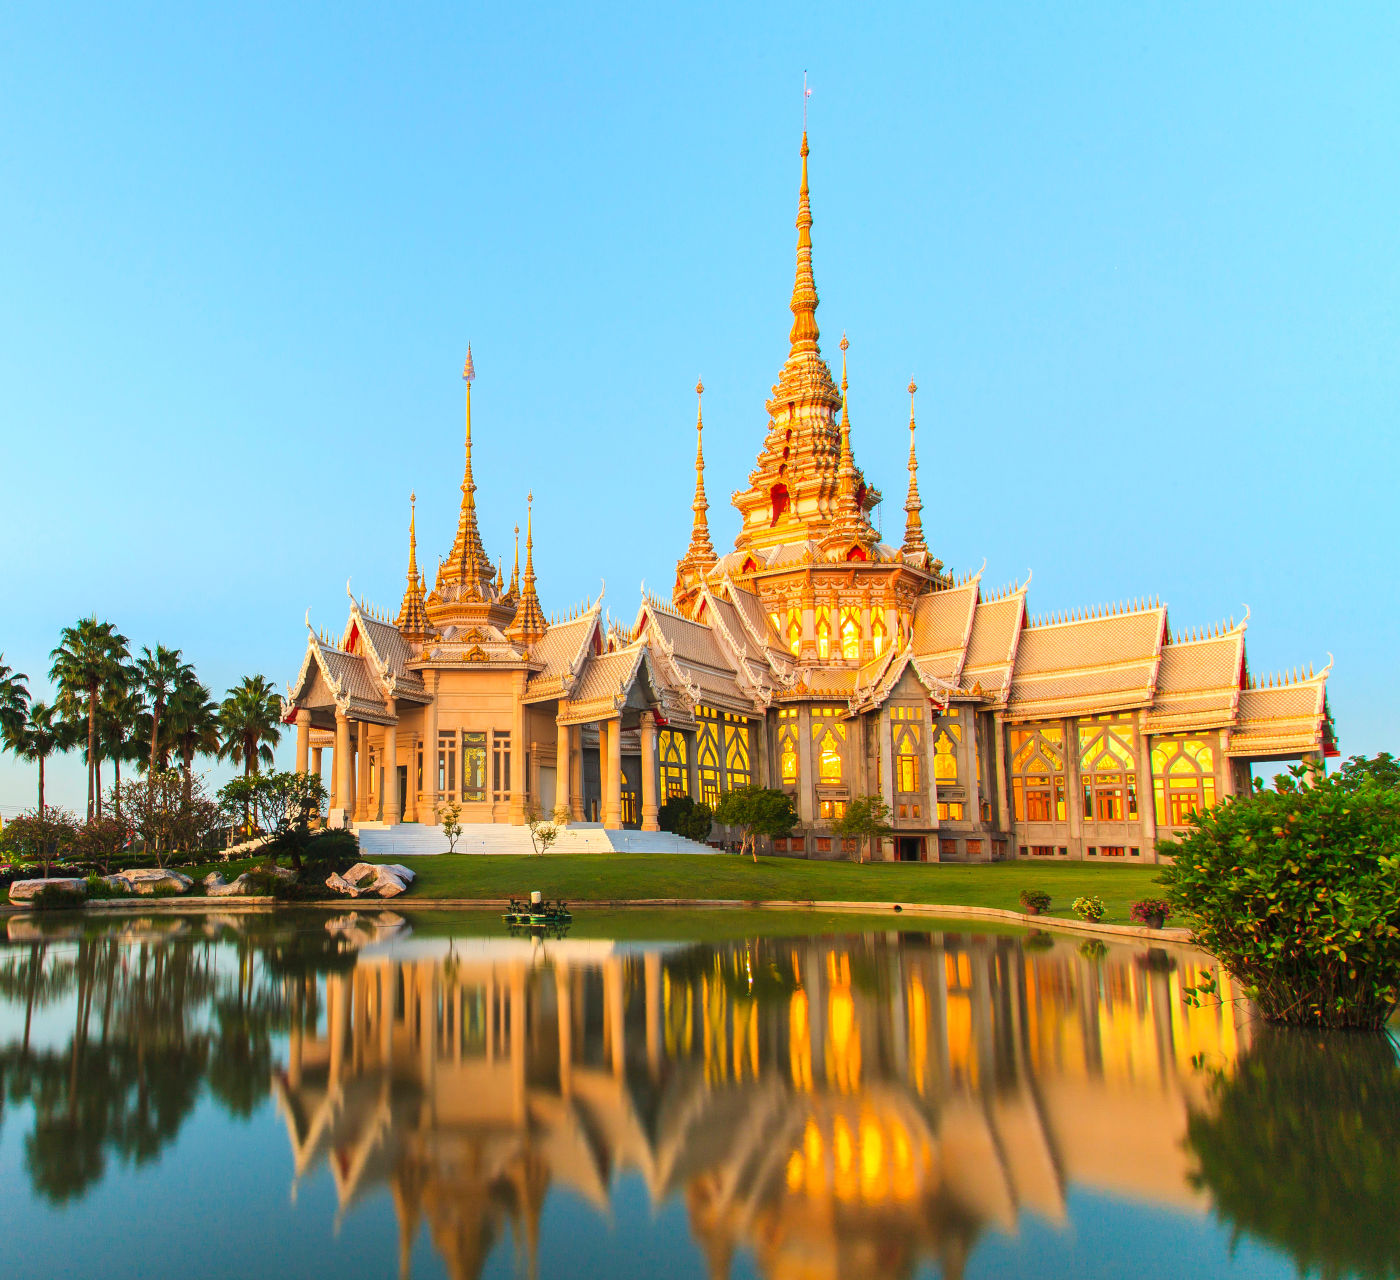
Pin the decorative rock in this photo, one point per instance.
(387, 880)
(24, 890)
(149, 879)
(341, 885)
(238, 888)
(118, 882)
(214, 880)
(396, 868)
(285, 874)
(388, 885)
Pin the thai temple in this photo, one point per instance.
(811, 657)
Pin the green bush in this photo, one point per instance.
(685, 817)
(1297, 892)
(56, 897)
(99, 890)
(1300, 1147)
(1035, 901)
(1089, 907)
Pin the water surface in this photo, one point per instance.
(298, 1094)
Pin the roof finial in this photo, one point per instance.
(913, 506)
(700, 555)
(413, 617)
(851, 524)
(529, 622)
(470, 566)
(804, 288)
(515, 572)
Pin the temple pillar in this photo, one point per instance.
(971, 746)
(612, 813)
(303, 741)
(1147, 795)
(867, 645)
(891, 625)
(649, 802)
(931, 789)
(806, 779)
(362, 812)
(563, 765)
(410, 813)
(576, 774)
(887, 764)
(390, 774)
(602, 771)
(344, 785)
(520, 777)
(1002, 785)
(316, 761)
(430, 749)
(809, 629)
(1074, 787)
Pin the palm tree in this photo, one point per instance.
(193, 717)
(39, 735)
(120, 720)
(88, 659)
(14, 697)
(250, 718)
(159, 673)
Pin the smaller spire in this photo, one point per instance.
(529, 624)
(413, 616)
(700, 555)
(914, 543)
(515, 572)
(851, 525)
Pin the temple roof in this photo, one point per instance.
(562, 652)
(1198, 683)
(1283, 720)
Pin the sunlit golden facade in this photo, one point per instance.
(812, 657)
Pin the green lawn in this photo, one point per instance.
(627, 877)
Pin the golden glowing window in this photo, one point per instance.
(1183, 778)
(787, 745)
(831, 810)
(794, 631)
(823, 633)
(1037, 773)
(877, 633)
(950, 812)
(671, 753)
(1108, 769)
(736, 750)
(850, 634)
(708, 754)
(907, 732)
(828, 738)
(947, 737)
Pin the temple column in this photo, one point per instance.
(809, 629)
(303, 741)
(692, 765)
(430, 749)
(410, 813)
(390, 784)
(758, 750)
(563, 765)
(649, 804)
(1074, 786)
(806, 779)
(891, 625)
(316, 761)
(1002, 785)
(362, 770)
(340, 761)
(971, 746)
(612, 814)
(602, 771)
(519, 777)
(931, 790)
(576, 774)
(887, 765)
(1147, 795)
(867, 646)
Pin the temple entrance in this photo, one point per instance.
(910, 848)
(403, 789)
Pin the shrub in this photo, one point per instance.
(1035, 901)
(99, 890)
(1152, 912)
(1297, 892)
(56, 897)
(684, 817)
(756, 811)
(1089, 907)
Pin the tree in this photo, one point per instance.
(1383, 769)
(250, 719)
(14, 699)
(89, 657)
(865, 818)
(756, 811)
(38, 737)
(159, 674)
(685, 817)
(40, 837)
(283, 803)
(119, 717)
(166, 817)
(1297, 892)
(450, 817)
(101, 839)
(193, 719)
(543, 831)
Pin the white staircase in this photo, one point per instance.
(412, 839)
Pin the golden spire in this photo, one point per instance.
(913, 526)
(515, 572)
(413, 618)
(700, 555)
(851, 524)
(529, 624)
(804, 286)
(469, 565)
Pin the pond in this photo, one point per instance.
(292, 1094)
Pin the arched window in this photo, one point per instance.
(877, 633)
(823, 633)
(794, 631)
(855, 553)
(1038, 773)
(828, 736)
(1108, 769)
(850, 634)
(1183, 778)
(787, 745)
(779, 498)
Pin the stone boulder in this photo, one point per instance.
(119, 883)
(25, 890)
(149, 879)
(370, 878)
(239, 887)
(214, 880)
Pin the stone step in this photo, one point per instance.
(411, 839)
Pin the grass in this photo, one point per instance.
(581, 878)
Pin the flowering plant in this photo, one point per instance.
(1088, 908)
(1035, 901)
(1150, 911)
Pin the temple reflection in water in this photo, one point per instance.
(842, 1107)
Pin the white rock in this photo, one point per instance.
(118, 882)
(24, 890)
(238, 888)
(406, 874)
(149, 879)
(341, 885)
(387, 885)
(361, 871)
(214, 880)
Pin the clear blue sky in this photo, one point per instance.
(1142, 261)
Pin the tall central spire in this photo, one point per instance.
(468, 564)
(804, 287)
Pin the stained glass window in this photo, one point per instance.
(907, 732)
(671, 752)
(787, 745)
(1038, 773)
(877, 633)
(736, 750)
(1108, 769)
(947, 737)
(823, 632)
(473, 766)
(794, 631)
(708, 754)
(828, 738)
(1183, 778)
(850, 634)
